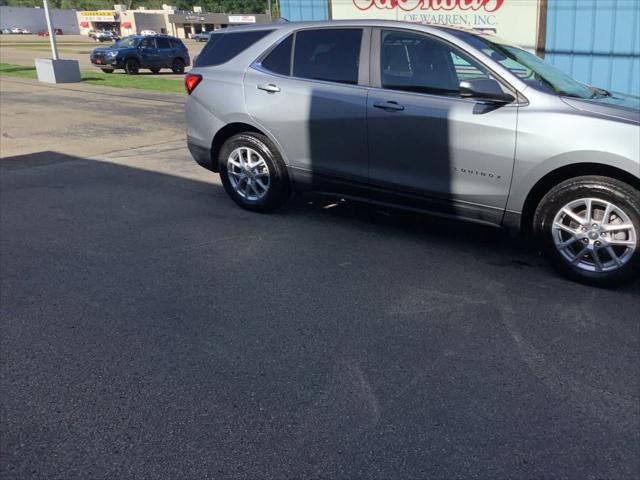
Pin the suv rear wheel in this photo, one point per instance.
(253, 173)
(131, 66)
(589, 228)
(177, 66)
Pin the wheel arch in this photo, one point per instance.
(553, 178)
(132, 56)
(224, 134)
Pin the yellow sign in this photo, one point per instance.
(98, 13)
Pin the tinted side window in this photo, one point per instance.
(331, 54)
(279, 60)
(222, 47)
(418, 63)
(175, 43)
(148, 42)
(465, 70)
(163, 42)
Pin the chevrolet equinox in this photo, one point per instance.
(437, 119)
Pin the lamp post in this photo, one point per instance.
(52, 33)
(55, 69)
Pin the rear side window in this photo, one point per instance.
(331, 54)
(163, 42)
(279, 60)
(222, 47)
(175, 43)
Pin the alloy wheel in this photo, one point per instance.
(248, 173)
(594, 235)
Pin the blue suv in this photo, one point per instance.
(139, 51)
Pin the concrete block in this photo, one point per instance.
(57, 71)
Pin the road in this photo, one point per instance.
(152, 329)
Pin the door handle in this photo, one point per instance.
(389, 106)
(268, 87)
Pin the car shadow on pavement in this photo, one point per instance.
(482, 245)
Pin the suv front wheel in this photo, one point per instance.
(131, 66)
(589, 228)
(253, 173)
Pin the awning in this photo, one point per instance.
(126, 24)
(84, 24)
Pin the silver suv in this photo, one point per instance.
(430, 118)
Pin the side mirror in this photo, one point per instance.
(485, 89)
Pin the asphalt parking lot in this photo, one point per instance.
(152, 329)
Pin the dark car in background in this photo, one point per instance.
(142, 51)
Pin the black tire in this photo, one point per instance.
(619, 193)
(154, 70)
(131, 66)
(107, 70)
(279, 189)
(177, 66)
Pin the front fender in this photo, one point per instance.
(525, 180)
(552, 135)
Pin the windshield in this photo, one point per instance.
(127, 42)
(530, 69)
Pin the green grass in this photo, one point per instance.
(17, 70)
(119, 80)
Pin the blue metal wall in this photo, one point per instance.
(596, 41)
(298, 10)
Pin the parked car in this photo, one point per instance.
(5, 31)
(148, 32)
(137, 51)
(45, 33)
(202, 36)
(427, 118)
(20, 31)
(104, 36)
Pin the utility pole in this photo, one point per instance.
(55, 70)
(268, 6)
(52, 33)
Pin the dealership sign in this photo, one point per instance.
(242, 19)
(513, 20)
